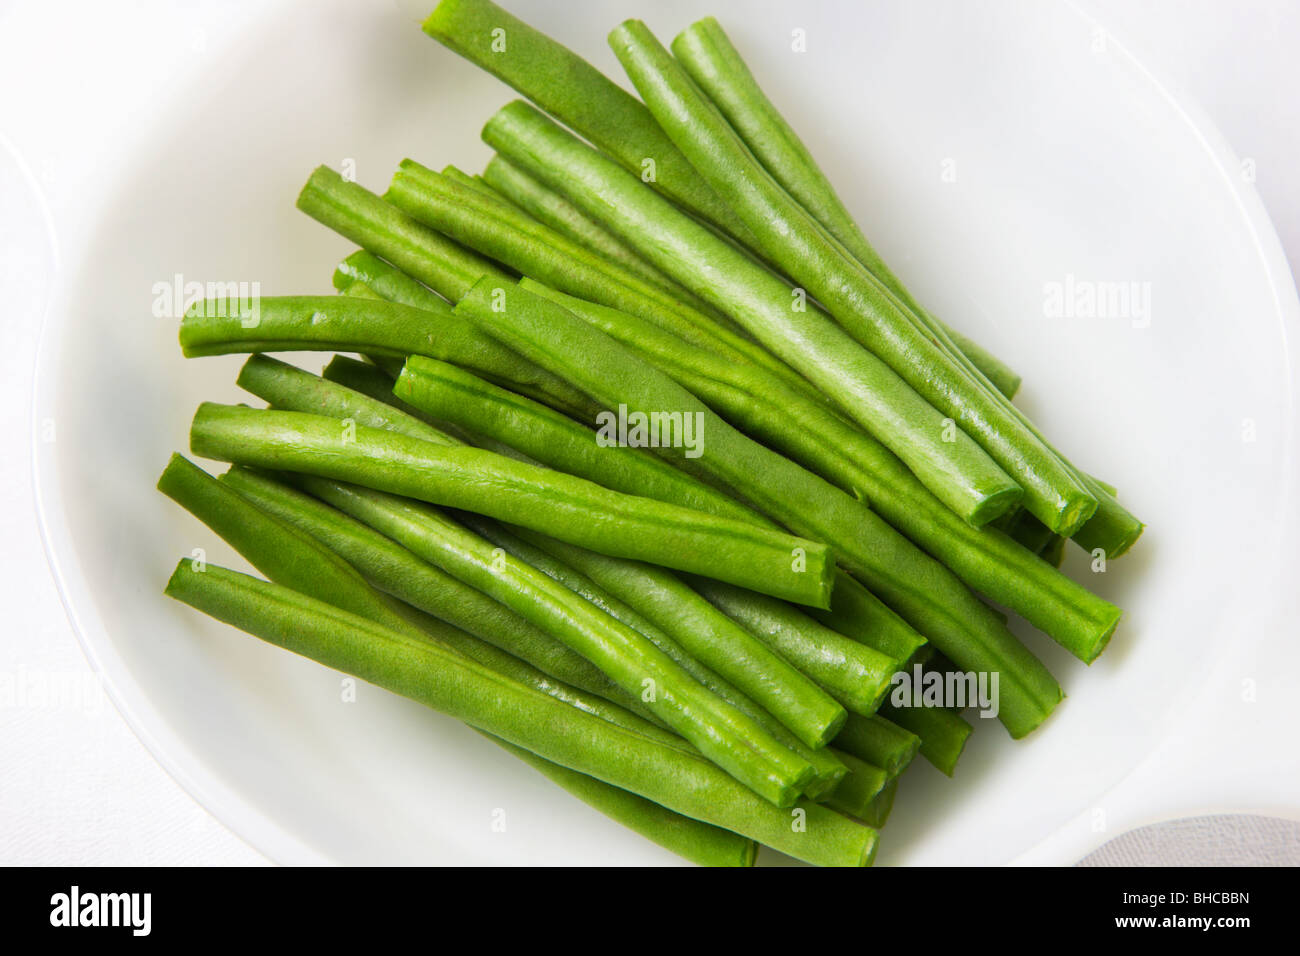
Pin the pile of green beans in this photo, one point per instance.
(702, 638)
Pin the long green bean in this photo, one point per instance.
(811, 434)
(571, 509)
(701, 843)
(706, 53)
(507, 233)
(552, 210)
(447, 392)
(957, 471)
(451, 393)
(393, 569)
(300, 562)
(920, 589)
(290, 388)
(857, 613)
(869, 312)
(355, 212)
(571, 89)
(721, 732)
(542, 725)
(778, 687)
(373, 326)
(827, 768)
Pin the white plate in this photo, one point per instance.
(991, 150)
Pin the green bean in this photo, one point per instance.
(541, 553)
(1025, 530)
(713, 639)
(507, 233)
(854, 674)
(869, 312)
(378, 384)
(921, 590)
(793, 695)
(943, 732)
(571, 509)
(1113, 529)
(701, 843)
(857, 613)
(879, 809)
(859, 788)
(473, 182)
(1003, 377)
(551, 210)
(959, 472)
(386, 281)
(355, 212)
(727, 736)
(826, 444)
(289, 388)
(298, 561)
(575, 92)
(879, 742)
(542, 725)
(1054, 551)
(374, 326)
(291, 554)
(447, 392)
(705, 52)
(374, 382)
(400, 573)
(282, 552)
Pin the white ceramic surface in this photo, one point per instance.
(990, 151)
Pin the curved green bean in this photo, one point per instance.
(549, 728)
(298, 561)
(725, 735)
(400, 573)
